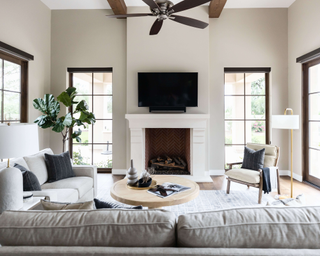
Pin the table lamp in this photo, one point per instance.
(17, 140)
(289, 122)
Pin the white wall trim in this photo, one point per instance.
(119, 171)
(288, 173)
(216, 172)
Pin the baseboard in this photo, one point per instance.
(216, 172)
(288, 173)
(119, 171)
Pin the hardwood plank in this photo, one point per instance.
(216, 7)
(118, 7)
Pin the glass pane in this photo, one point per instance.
(86, 135)
(11, 106)
(255, 84)
(234, 154)
(314, 135)
(102, 131)
(314, 163)
(102, 83)
(234, 132)
(102, 156)
(12, 76)
(81, 154)
(83, 82)
(314, 79)
(314, 106)
(234, 107)
(255, 107)
(103, 107)
(256, 132)
(234, 84)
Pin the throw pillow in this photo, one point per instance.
(47, 205)
(103, 205)
(59, 166)
(252, 159)
(30, 180)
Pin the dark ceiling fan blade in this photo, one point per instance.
(156, 27)
(129, 15)
(152, 4)
(187, 4)
(189, 22)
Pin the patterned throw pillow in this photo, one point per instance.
(103, 205)
(47, 205)
(59, 166)
(30, 180)
(252, 159)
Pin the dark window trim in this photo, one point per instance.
(309, 56)
(15, 52)
(24, 86)
(89, 70)
(305, 120)
(247, 70)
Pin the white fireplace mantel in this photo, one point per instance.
(198, 125)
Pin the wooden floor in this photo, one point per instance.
(311, 193)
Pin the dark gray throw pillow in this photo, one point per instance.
(30, 180)
(252, 159)
(59, 166)
(103, 205)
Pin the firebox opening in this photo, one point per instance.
(167, 150)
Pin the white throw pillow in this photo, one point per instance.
(37, 165)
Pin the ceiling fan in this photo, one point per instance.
(165, 9)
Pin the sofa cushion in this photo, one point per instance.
(272, 227)
(67, 195)
(81, 184)
(118, 228)
(37, 165)
(244, 175)
(30, 180)
(111, 205)
(49, 205)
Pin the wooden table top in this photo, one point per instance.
(123, 194)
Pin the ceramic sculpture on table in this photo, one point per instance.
(132, 175)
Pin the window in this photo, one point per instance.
(95, 87)
(13, 84)
(246, 110)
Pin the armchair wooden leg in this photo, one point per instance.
(278, 181)
(260, 188)
(248, 186)
(228, 187)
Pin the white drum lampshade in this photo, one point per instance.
(17, 140)
(285, 122)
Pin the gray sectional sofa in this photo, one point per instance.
(242, 231)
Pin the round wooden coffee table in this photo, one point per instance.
(123, 194)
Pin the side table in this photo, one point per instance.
(32, 204)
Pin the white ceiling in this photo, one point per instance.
(103, 4)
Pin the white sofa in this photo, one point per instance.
(82, 187)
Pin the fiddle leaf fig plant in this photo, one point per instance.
(50, 109)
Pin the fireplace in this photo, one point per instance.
(182, 135)
(167, 150)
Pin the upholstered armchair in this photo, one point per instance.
(253, 178)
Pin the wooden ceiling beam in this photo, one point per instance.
(118, 7)
(216, 7)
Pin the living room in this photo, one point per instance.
(69, 39)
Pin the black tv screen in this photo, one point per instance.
(168, 89)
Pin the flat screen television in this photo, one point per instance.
(169, 90)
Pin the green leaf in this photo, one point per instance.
(83, 116)
(44, 122)
(82, 106)
(48, 106)
(59, 126)
(65, 99)
(71, 90)
(67, 120)
(39, 105)
(78, 139)
(76, 134)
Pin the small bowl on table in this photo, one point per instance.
(144, 185)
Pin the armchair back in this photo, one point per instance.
(272, 153)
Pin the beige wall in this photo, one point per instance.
(303, 37)
(86, 38)
(177, 48)
(26, 26)
(248, 38)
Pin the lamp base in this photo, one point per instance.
(11, 189)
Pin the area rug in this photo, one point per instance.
(209, 200)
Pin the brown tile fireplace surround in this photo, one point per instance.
(173, 136)
(168, 143)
